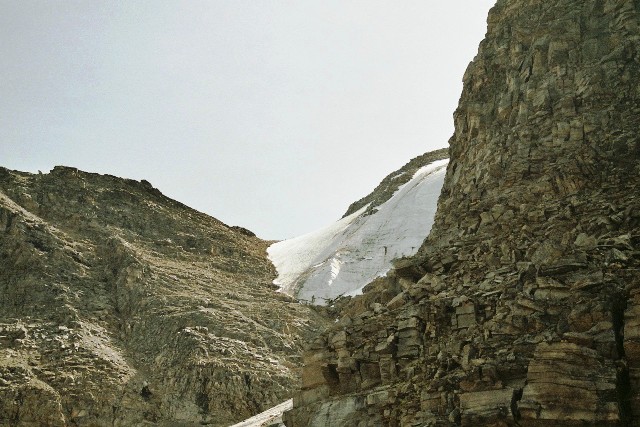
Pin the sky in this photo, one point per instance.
(274, 115)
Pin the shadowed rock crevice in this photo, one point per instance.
(623, 386)
(516, 397)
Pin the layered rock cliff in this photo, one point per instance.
(523, 305)
(121, 307)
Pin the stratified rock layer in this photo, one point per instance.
(121, 307)
(523, 305)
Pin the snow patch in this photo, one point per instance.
(293, 257)
(267, 418)
(343, 257)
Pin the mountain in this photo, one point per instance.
(119, 306)
(122, 307)
(522, 307)
(390, 223)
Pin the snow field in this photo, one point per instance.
(342, 258)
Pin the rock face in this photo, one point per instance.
(121, 307)
(523, 305)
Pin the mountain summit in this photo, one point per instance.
(122, 307)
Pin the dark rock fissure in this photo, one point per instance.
(146, 393)
(623, 380)
(517, 395)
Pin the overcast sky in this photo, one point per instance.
(273, 115)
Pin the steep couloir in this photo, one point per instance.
(122, 307)
(523, 305)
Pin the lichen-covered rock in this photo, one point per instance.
(521, 308)
(121, 307)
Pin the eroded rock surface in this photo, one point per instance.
(121, 307)
(523, 305)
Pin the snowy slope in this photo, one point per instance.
(347, 255)
(272, 416)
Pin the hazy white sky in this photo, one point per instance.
(270, 114)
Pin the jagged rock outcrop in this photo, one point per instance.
(522, 307)
(121, 307)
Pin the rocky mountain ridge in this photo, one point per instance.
(522, 306)
(120, 307)
(390, 184)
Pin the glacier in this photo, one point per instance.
(342, 258)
